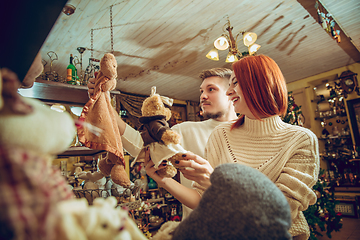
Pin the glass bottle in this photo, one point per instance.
(71, 72)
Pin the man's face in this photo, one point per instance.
(213, 99)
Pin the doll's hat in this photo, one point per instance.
(241, 203)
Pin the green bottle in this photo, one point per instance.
(71, 72)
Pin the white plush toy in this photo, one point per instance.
(97, 178)
(36, 202)
(99, 221)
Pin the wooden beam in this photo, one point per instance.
(345, 43)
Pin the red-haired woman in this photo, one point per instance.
(287, 154)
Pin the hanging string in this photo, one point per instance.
(92, 42)
(111, 30)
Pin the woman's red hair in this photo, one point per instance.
(263, 86)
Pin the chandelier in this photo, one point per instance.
(227, 41)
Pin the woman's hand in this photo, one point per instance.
(151, 170)
(196, 169)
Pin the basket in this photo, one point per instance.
(123, 197)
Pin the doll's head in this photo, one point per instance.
(108, 66)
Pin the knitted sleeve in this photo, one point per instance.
(300, 173)
(216, 153)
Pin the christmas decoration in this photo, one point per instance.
(321, 215)
(294, 115)
(327, 22)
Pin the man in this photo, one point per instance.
(194, 135)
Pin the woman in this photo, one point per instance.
(287, 154)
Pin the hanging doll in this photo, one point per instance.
(99, 112)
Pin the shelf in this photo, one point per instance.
(79, 151)
(335, 137)
(347, 189)
(329, 117)
(56, 92)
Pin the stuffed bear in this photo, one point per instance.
(79, 221)
(99, 112)
(161, 140)
(241, 203)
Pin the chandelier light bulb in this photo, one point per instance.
(231, 58)
(221, 43)
(213, 54)
(253, 48)
(249, 38)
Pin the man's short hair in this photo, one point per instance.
(216, 72)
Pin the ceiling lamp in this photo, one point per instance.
(213, 54)
(227, 41)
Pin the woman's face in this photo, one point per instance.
(236, 96)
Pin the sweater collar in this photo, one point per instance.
(266, 126)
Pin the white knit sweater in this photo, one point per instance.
(287, 154)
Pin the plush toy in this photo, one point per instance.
(99, 112)
(241, 203)
(36, 201)
(162, 142)
(79, 221)
(31, 134)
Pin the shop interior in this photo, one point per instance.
(166, 44)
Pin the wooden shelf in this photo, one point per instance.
(335, 137)
(329, 117)
(56, 92)
(347, 189)
(79, 151)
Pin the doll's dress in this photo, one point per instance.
(98, 112)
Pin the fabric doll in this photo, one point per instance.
(99, 112)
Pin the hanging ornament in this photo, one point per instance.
(327, 22)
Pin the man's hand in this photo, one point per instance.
(91, 85)
(196, 169)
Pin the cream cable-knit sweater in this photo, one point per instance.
(287, 154)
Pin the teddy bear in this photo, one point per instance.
(162, 141)
(79, 221)
(99, 112)
(241, 203)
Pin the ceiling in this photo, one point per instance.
(163, 43)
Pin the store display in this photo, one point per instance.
(339, 152)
